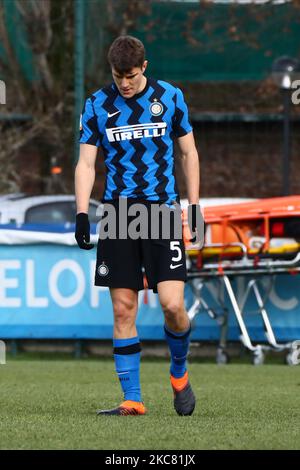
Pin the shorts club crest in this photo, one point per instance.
(102, 269)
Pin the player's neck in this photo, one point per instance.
(143, 85)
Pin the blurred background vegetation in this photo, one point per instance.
(219, 53)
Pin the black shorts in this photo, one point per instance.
(123, 263)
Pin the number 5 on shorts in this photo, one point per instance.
(175, 246)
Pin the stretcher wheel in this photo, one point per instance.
(290, 360)
(222, 356)
(258, 358)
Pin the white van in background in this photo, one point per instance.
(56, 209)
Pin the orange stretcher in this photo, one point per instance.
(252, 239)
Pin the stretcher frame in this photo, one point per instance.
(225, 271)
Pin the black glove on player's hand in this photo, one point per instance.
(196, 223)
(82, 231)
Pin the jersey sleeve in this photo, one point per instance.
(89, 131)
(181, 123)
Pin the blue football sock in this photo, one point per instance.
(179, 346)
(127, 362)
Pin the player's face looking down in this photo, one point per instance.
(132, 82)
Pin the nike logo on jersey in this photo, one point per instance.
(112, 114)
(137, 131)
(174, 266)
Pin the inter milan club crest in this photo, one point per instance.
(156, 108)
(103, 269)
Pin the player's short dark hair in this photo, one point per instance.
(125, 53)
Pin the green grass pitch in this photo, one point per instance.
(51, 404)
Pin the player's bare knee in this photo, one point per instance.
(175, 316)
(124, 311)
(172, 310)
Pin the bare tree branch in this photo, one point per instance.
(10, 67)
(36, 18)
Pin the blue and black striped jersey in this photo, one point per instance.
(136, 135)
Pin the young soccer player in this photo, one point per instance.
(135, 120)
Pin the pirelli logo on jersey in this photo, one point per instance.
(138, 131)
